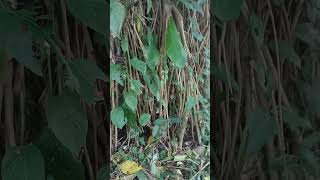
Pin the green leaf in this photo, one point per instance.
(136, 86)
(59, 161)
(92, 13)
(23, 162)
(286, 51)
(155, 130)
(192, 5)
(17, 39)
(117, 16)
(88, 69)
(180, 157)
(227, 10)
(160, 121)
(141, 175)
(138, 65)
(103, 173)
(131, 100)
(174, 48)
(130, 116)
(117, 117)
(175, 120)
(261, 128)
(149, 6)
(124, 45)
(294, 120)
(191, 102)
(68, 121)
(153, 82)
(115, 73)
(144, 119)
(86, 72)
(153, 55)
(160, 126)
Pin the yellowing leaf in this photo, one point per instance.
(150, 140)
(130, 167)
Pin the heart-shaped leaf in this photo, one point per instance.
(131, 100)
(68, 121)
(174, 47)
(59, 161)
(117, 117)
(92, 13)
(16, 38)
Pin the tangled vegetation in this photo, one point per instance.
(160, 93)
(66, 111)
(266, 73)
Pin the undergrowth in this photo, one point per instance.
(160, 93)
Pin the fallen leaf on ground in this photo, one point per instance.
(130, 167)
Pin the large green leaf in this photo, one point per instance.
(16, 37)
(117, 117)
(92, 13)
(174, 47)
(227, 10)
(68, 121)
(261, 128)
(131, 100)
(23, 162)
(59, 161)
(117, 16)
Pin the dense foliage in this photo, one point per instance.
(64, 117)
(160, 91)
(267, 77)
